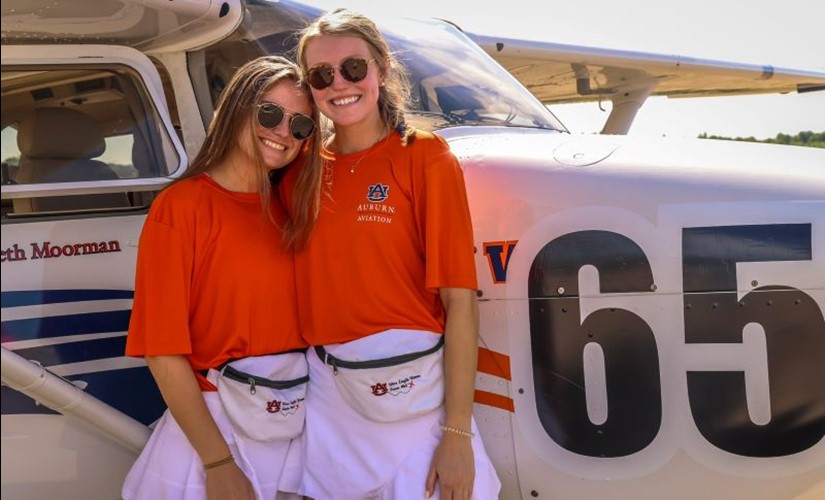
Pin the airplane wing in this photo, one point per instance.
(561, 73)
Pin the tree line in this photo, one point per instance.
(806, 138)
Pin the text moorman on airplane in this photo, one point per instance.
(49, 250)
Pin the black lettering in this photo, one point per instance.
(794, 329)
(558, 341)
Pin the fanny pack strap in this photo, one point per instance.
(223, 365)
(331, 360)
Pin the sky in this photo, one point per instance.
(788, 33)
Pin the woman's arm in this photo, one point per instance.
(182, 395)
(453, 464)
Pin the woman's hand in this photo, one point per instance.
(228, 482)
(453, 468)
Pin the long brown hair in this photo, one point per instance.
(235, 109)
(394, 95)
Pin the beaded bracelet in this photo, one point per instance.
(460, 432)
(218, 463)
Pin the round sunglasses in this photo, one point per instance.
(353, 69)
(270, 115)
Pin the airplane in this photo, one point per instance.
(651, 309)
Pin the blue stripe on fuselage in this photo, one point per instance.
(74, 352)
(62, 326)
(38, 297)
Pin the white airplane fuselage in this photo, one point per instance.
(651, 309)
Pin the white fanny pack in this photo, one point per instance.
(263, 396)
(405, 384)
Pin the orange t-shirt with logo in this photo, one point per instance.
(213, 281)
(394, 227)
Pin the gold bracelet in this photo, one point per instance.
(218, 463)
(458, 431)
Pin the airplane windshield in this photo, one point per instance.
(454, 82)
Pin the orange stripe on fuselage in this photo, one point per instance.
(498, 365)
(495, 400)
(494, 363)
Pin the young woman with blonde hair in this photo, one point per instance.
(387, 279)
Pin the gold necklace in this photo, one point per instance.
(352, 167)
(369, 150)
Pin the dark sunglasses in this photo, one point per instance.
(270, 115)
(353, 69)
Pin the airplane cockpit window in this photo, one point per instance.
(65, 127)
(454, 82)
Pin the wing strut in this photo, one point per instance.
(626, 103)
(627, 98)
(60, 395)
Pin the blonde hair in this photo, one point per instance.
(394, 94)
(235, 109)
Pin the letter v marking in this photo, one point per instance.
(498, 257)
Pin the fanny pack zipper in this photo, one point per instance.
(331, 360)
(254, 380)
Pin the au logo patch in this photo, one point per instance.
(285, 408)
(377, 192)
(394, 387)
(379, 389)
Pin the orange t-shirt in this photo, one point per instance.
(213, 280)
(390, 233)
